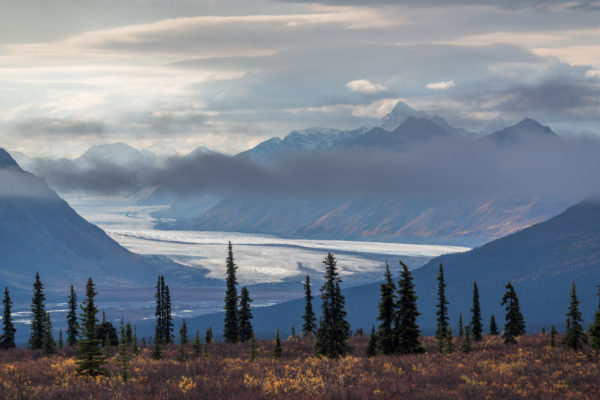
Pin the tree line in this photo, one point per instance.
(397, 332)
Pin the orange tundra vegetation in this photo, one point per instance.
(530, 369)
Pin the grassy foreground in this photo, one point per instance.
(532, 369)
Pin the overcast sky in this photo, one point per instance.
(171, 75)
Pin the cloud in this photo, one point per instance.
(442, 85)
(364, 86)
(442, 168)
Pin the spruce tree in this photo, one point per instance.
(128, 334)
(277, 349)
(310, 321)
(38, 314)
(90, 358)
(293, 332)
(159, 328)
(552, 336)
(476, 320)
(467, 344)
(575, 336)
(441, 332)
(134, 342)
(7, 340)
(595, 327)
(168, 316)
(461, 328)
(372, 345)
(333, 330)
(48, 343)
(123, 356)
(245, 316)
(197, 345)
(387, 312)
(106, 329)
(407, 330)
(208, 337)
(449, 341)
(493, 326)
(72, 324)
(515, 323)
(183, 340)
(61, 342)
(231, 329)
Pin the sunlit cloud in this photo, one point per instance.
(442, 85)
(364, 86)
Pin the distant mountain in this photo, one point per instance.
(400, 113)
(526, 130)
(40, 232)
(117, 154)
(541, 262)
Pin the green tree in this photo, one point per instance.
(372, 345)
(441, 333)
(208, 337)
(168, 316)
(461, 328)
(277, 349)
(515, 323)
(231, 330)
(245, 316)
(333, 330)
(449, 341)
(90, 358)
(575, 337)
(407, 330)
(476, 320)
(7, 340)
(387, 311)
(493, 326)
(128, 334)
(123, 356)
(183, 340)
(48, 343)
(197, 345)
(72, 324)
(595, 327)
(159, 297)
(467, 344)
(61, 342)
(38, 314)
(107, 329)
(552, 336)
(310, 321)
(134, 343)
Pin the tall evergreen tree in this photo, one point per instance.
(476, 320)
(595, 327)
(90, 358)
(310, 321)
(441, 332)
(575, 336)
(333, 330)
(128, 334)
(387, 312)
(134, 342)
(277, 349)
(7, 340)
(168, 315)
(515, 323)
(231, 330)
(461, 328)
(372, 344)
(48, 342)
(197, 345)
(38, 314)
(407, 330)
(61, 342)
(159, 328)
(552, 336)
(123, 356)
(72, 324)
(106, 329)
(245, 316)
(493, 326)
(183, 340)
(208, 337)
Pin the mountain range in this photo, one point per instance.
(540, 261)
(40, 232)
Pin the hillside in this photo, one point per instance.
(540, 261)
